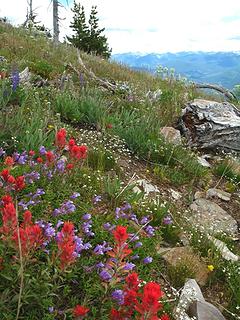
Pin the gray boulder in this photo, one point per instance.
(211, 218)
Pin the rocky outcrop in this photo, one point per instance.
(211, 218)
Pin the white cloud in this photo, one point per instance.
(153, 25)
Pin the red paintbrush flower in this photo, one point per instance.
(80, 311)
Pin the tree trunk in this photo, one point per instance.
(30, 10)
(55, 21)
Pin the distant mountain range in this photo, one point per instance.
(221, 68)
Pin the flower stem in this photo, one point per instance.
(21, 265)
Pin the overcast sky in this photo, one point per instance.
(152, 25)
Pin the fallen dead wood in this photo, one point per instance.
(228, 94)
(103, 83)
(211, 125)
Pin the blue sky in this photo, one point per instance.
(150, 26)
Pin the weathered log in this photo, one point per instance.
(228, 94)
(211, 125)
(90, 74)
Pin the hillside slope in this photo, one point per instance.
(86, 175)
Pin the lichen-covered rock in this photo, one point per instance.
(211, 218)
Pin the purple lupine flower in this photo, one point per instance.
(167, 220)
(40, 223)
(42, 150)
(56, 212)
(118, 296)
(60, 165)
(86, 216)
(147, 260)
(86, 227)
(23, 158)
(51, 309)
(100, 249)
(117, 212)
(97, 199)
(49, 231)
(69, 206)
(39, 192)
(75, 195)
(2, 152)
(15, 156)
(31, 177)
(23, 205)
(15, 79)
(144, 220)
(133, 217)
(79, 245)
(50, 174)
(138, 244)
(126, 206)
(135, 257)
(100, 265)
(108, 226)
(133, 237)
(87, 246)
(129, 266)
(150, 230)
(105, 275)
(59, 224)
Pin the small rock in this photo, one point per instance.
(201, 160)
(192, 304)
(137, 190)
(212, 193)
(191, 292)
(184, 239)
(203, 310)
(175, 194)
(211, 218)
(171, 135)
(177, 255)
(225, 252)
(199, 195)
(25, 76)
(146, 187)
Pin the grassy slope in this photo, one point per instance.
(136, 121)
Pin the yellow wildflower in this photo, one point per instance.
(210, 267)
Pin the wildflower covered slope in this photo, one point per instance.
(95, 203)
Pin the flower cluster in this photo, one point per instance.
(125, 212)
(31, 236)
(69, 245)
(28, 234)
(10, 183)
(138, 303)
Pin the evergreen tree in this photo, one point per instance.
(97, 41)
(79, 26)
(88, 38)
